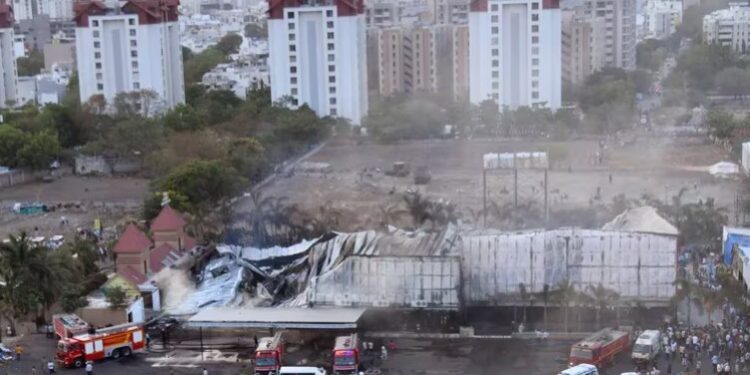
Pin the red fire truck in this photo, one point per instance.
(346, 354)
(268, 355)
(600, 348)
(111, 342)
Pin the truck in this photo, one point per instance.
(268, 355)
(647, 346)
(346, 354)
(69, 325)
(111, 342)
(582, 369)
(600, 348)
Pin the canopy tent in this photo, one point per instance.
(280, 318)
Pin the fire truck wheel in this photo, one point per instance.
(126, 352)
(116, 354)
(78, 363)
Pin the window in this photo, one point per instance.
(292, 59)
(332, 90)
(495, 74)
(97, 44)
(495, 29)
(292, 48)
(332, 101)
(535, 6)
(330, 35)
(534, 17)
(131, 21)
(494, 8)
(132, 32)
(333, 112)
(329, 13)
(534, 28)
(291, 26)
(133, 54)
(331, 58)
(294, 91)
(332, 79)
(295, 102)
(535, 62)
(534, 50)
(100, 86)
(97, 55)
(534, 40)
(293, 70)
(495, 63)
(494, 19)
(291, 37)
(293, 80)
(96, 33)
(331, 68)
(534, 84)
(290, 15)
(133, 43)
(535, 73)
(495, 52)
(495, 85)
(98, 65)
(535, 95)
(134, 64)
(98, 76)
(329, 24)
(95, 23)
(136, 86)
(330, 46)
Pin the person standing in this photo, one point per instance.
(89, 368)
(33, 370)
(19, 350)
(51, 366)
(205, 372)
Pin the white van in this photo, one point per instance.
(647, 346)
(582, 369)
(301, 370)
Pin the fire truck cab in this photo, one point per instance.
(346, 354)
(600, 349)
(268, 355)
(111, 342)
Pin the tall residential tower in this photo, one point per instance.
(318, 55)
(132, 46)
(8, 71)
(515, 53)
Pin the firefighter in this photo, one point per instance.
(89, 368)
(19, 350)
(51, 366)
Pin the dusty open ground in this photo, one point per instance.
(79, 199)
(641, 165)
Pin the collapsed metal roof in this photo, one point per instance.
(278, 318)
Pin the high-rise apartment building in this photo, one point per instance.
(8, 71)
(729, 27)
(318, 55)
(129, 46)
(55, 9)
(661, 18)
(451, 11)
(620, 38)
(420, 58)
(582, 47)
(515, 53)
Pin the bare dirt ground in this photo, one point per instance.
(659, 167)
(79, 199)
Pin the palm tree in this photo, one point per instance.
(685, 291)
(602, 299)
(709, 299)
(565, 293)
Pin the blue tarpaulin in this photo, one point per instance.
(731, 240)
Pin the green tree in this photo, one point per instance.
(247, 157)
(650, 54)
(733, 81)
(204, 184)
(565, 294)
(182, 117)
(720, 124)
(39, 151)
(12, 141)
(201, 63)
(30, 65)
(256, 30)
(61, 119)
(229, 44)
(116, 297)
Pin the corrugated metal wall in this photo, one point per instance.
(390, 282)
(639, 266)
